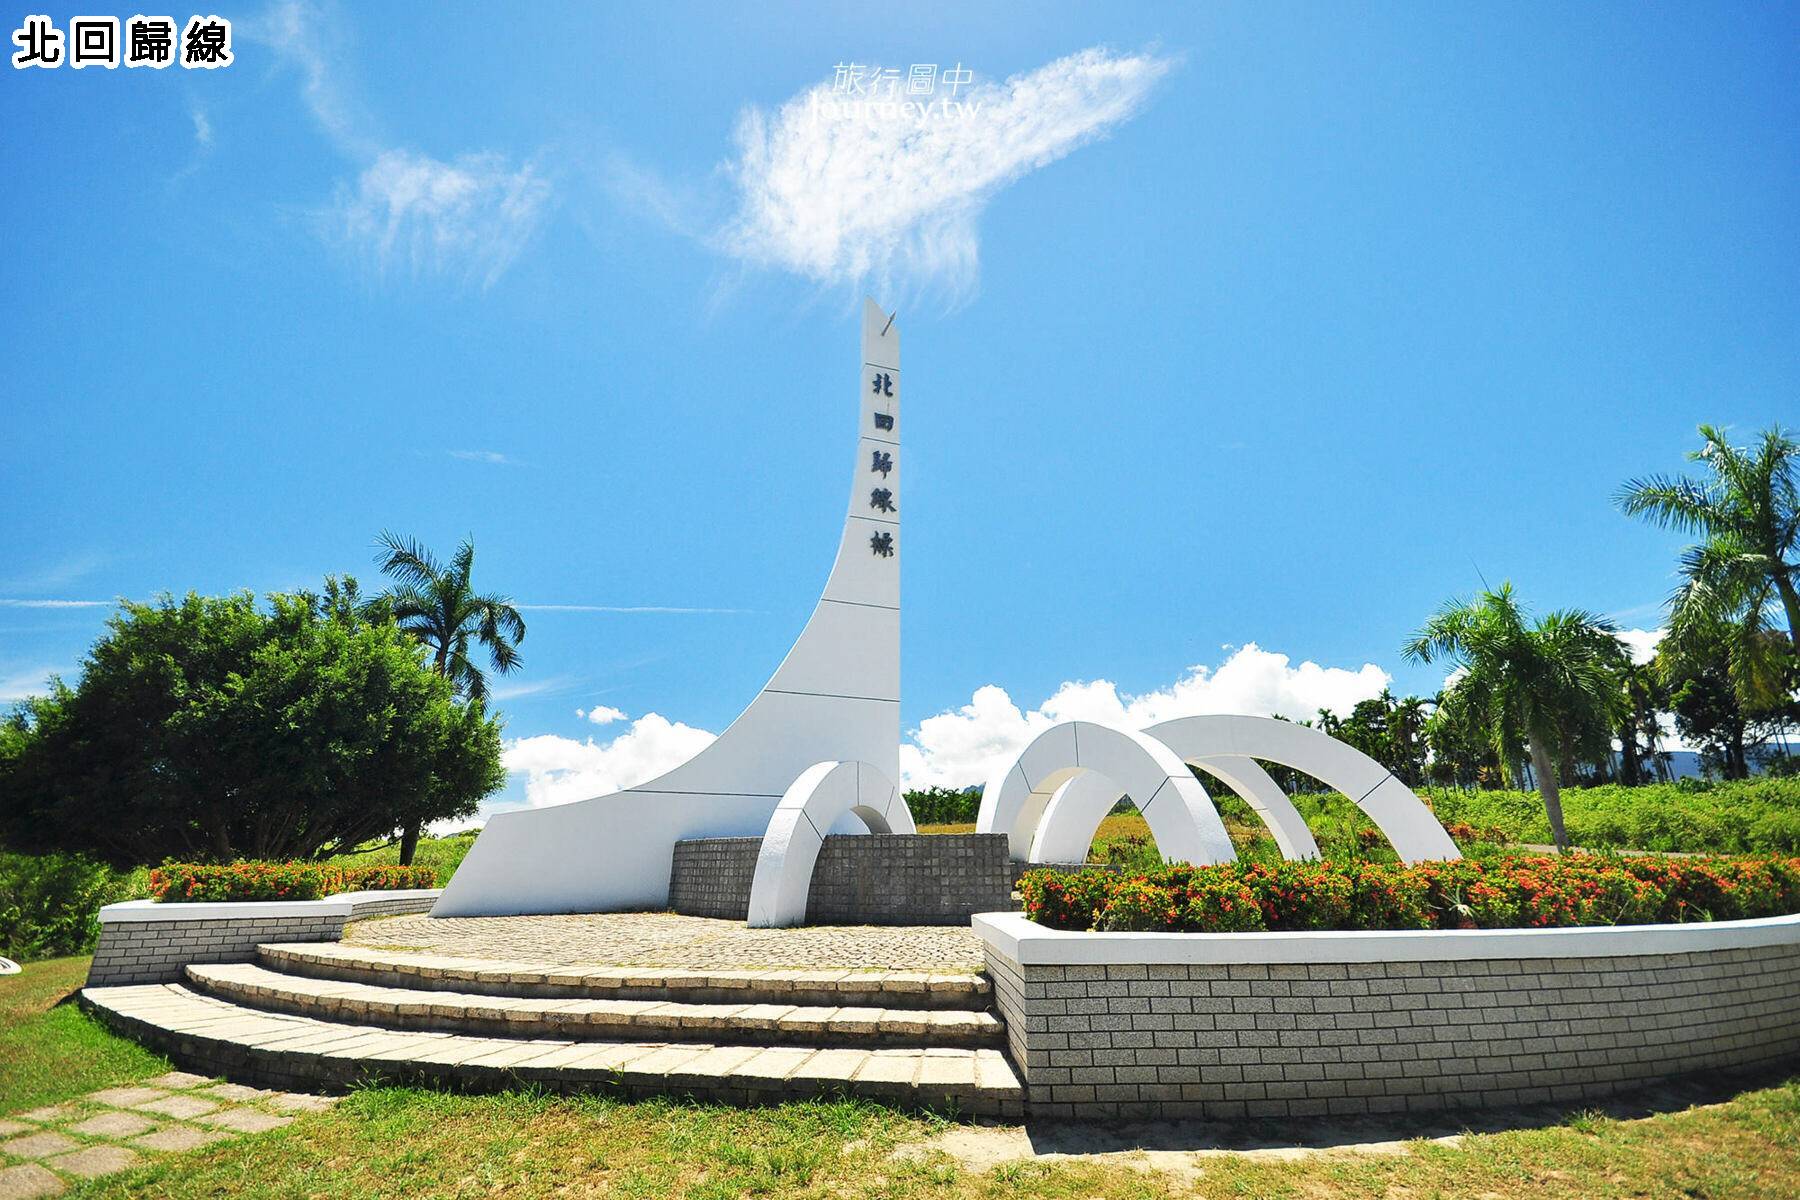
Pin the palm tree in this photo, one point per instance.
(1537, 689)
(1748, 512)
(439, 606)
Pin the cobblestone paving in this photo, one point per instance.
(44, 1151)
(668, 940)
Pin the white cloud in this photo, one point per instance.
(959, 748)
(601, 714)
(203, 130)
(469, 218)
(22, 684)
(1642, 643)
(838, 193)
(465, 219)
(55, 603)
(559, 770)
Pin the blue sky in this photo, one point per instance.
(1224, 326)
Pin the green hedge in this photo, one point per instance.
(1498, 893)
(1754, 816)
(50, 903)
(199, 882)
(941, 806)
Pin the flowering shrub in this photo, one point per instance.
(1536, 891)
(197, 882)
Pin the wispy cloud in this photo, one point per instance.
(485, 456)
(56, 603)
(21, 684)
(203, 130)
(464, 219)
(56, 575)
(469, 218)
(834, 188)
(518, 689)
(623, 608)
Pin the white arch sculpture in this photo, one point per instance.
(835, 696)
(1181, 816)
(819, 799)
(1228, 747)
(1073, 816)
(1397, 811)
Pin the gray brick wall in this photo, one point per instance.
(860, 879)
(711, 877)
(1252, 1040)
(155, 951)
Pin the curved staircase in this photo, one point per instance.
(327, 1015)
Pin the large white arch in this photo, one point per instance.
(824, 793)
(1407, 823)
(1180, 814)
(1073, 815)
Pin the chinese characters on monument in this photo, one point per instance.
(881, 462)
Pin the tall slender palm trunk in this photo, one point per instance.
(409, 833)
(1552, 794)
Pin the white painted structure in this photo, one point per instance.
(1180, 814)
(1050, 799)
(818, 750)
(824, 794)
(1024, 941)
(835, 697)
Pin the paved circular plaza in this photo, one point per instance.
(669, 940)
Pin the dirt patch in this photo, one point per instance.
(1178, 1149)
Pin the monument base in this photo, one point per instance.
(860, 879)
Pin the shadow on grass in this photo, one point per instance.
(1312, 1134)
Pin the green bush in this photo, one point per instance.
(1752, 816)
(943, 806)
(1537, 891)
(50, 903)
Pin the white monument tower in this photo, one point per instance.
(836, 696)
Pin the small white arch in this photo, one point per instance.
(1073, 815)
(1407, 823)
(1180, 814)
(812, 804)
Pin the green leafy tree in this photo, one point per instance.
(439, 606)
(1539, 689)
(1709, 710)
(215, 729)
(1747, 565)
(1646, 698)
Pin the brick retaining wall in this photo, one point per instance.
(859, 879)
(1231, 1040)
(711, 877)
(146, 942)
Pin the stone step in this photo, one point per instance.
(215, 1036)
(491, 977)
(589, 1019)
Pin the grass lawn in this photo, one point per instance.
(405, 1143)
(50, 1050)
(396, 1142)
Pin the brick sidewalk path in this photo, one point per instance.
(44, 1150)
(669, 940)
